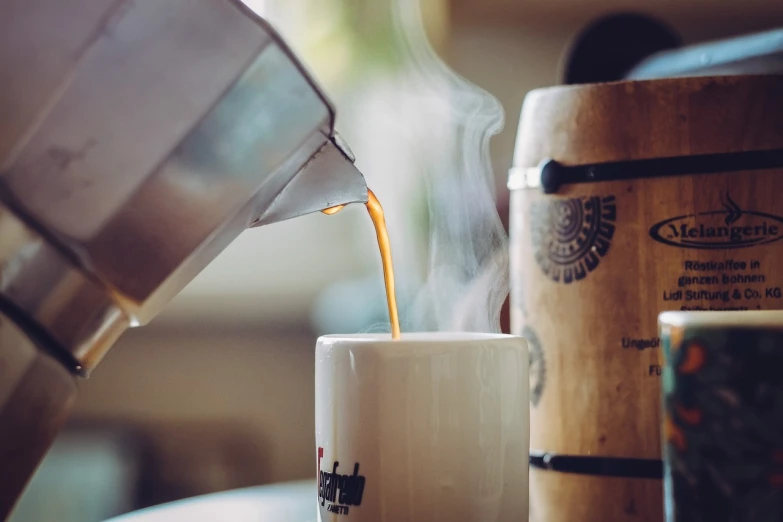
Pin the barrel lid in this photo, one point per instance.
(638, 120)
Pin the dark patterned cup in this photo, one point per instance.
(723, 416)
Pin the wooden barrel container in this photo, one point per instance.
(628, 199)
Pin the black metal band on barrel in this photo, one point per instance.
(598, 466)
(554, 174)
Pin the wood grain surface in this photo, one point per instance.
(630, 249)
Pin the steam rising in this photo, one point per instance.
(467, 280)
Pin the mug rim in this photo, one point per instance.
(723, 319)
(416, 337)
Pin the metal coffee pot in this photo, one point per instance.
(137, 140)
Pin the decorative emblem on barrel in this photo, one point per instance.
(571, 235)
(537, 365)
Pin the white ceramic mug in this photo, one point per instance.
(433, 427)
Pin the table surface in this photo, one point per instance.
(284, 502)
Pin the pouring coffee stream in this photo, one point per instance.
(375, 210)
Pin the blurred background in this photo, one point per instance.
(217, 393)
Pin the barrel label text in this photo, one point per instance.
(732, 284)
(727, 228)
